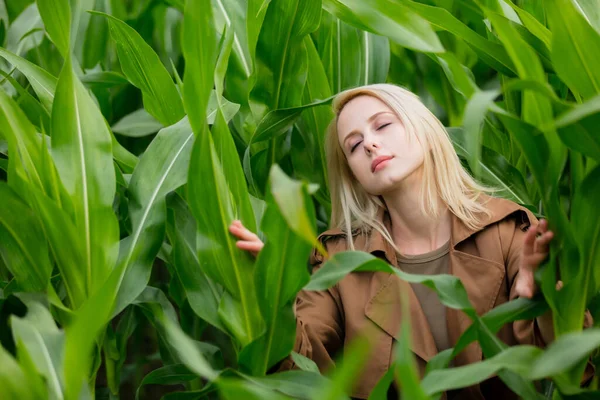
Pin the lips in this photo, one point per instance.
(378, 161)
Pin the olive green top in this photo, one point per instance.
(432, 263)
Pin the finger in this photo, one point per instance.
(542, 242)
(528, 242)
(248, 233)
(542, 226)
(249, 245)
(243, 233)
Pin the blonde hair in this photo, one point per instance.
(354, 210)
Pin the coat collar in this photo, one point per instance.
(374, 241)
(384, 307)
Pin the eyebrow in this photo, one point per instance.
(371, 118)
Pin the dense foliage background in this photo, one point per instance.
(133, 134)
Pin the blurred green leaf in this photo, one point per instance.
(12, 378)
(404, 361)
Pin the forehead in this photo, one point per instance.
(356, 113)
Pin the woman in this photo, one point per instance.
(397, 184)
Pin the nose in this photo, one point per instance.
(370, 144)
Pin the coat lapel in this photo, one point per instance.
(482, 279)
(384, 307)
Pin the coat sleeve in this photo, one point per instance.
(319, 324)
(540, 331)
(512, 236)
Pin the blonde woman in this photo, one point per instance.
(397, 184)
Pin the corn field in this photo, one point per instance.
(133, 132)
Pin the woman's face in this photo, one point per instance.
(377, 147)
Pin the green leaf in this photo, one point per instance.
(577, 127)
(161, 170)
(585, 199)
(350, 56)
(22, 243)
(64, 239)
(137, 124)
(305, 363)
(387, 18)
(203, 294)
(528, 361)
(103, 79)
(200, 52)
(186, 350)
(495, 170)
(221, 260)
(278, 121)
(96, 36)
(517, 358)
(533, 25)
(347, 371)
(537, 109)
(26, 31)
(281, 54)
(280, 271)
(490, 52)
(405, 363)
(81, 149)
(313, 126)
(475, 113)
(37, 335)
(34, 110)
(12, 377)
(168, 375)
(41, 81)
(56, 15)
(142, 66)
(232, 170)
(23, 145)
(449, 288)
(575, 48)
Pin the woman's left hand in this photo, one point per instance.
(534, 252)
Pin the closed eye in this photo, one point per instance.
(383, 126)
(355, 146)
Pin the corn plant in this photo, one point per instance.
(133, 133)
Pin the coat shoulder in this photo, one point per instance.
(334, 241)
(505, 211)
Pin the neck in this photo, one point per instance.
(413, 231)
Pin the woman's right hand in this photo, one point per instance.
(248, 241)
